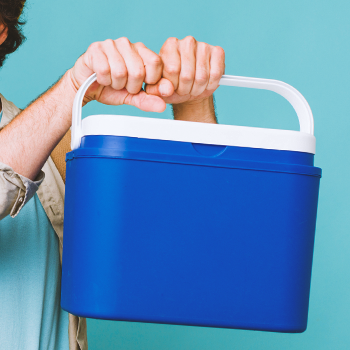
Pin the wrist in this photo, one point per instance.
(60, 98)
(201, 110)
(70, 82)
(64, 94)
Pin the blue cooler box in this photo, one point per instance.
(191, 223)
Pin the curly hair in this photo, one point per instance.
(10, 12)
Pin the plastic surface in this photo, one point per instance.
(291, 94)
(76, 113)
(185, 131)
(195, 154)
(181, 233)
(172, 231)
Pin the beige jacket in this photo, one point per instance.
(16, 191)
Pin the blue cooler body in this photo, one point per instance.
(178, 232)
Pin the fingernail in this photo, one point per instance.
(163, 90)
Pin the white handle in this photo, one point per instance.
(77, 133)
(295, 98)
(292, 95)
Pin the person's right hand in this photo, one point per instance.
(194, 68)
(121, 69)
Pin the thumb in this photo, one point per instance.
(163, 88)
(141, 100)
(146, 102)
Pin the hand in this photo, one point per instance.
(194, 69)
(121, 69)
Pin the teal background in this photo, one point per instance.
(304, 43)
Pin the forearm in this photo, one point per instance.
(26, 143)
(202, 110)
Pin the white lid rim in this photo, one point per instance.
(196, 132)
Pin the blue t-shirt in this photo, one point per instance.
(30, 275)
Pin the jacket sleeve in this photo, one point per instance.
(15, 190)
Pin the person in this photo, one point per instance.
(33, 143)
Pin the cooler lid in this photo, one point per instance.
(195, 132)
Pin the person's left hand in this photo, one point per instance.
(121, 68)
(194, 69)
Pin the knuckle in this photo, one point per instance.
(123, 40)
(103, 70)
(190, 40)
(120, 73)
(94, 46)
(203, 47)
(201, 77)
(186, 76)
(109, 42)
(137, 73)
(171, 41)
(215, 75)
(219, 50)
(172, 69)
(155, 60)
(139, 44)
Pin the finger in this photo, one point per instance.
(202, 73)
(134, 65)
(141, 100)
(217, 67)
(97, 61)
(145, 102)
(188, 65)
(171, 60)
(152, 62)
(118, 70)
(163, 88)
